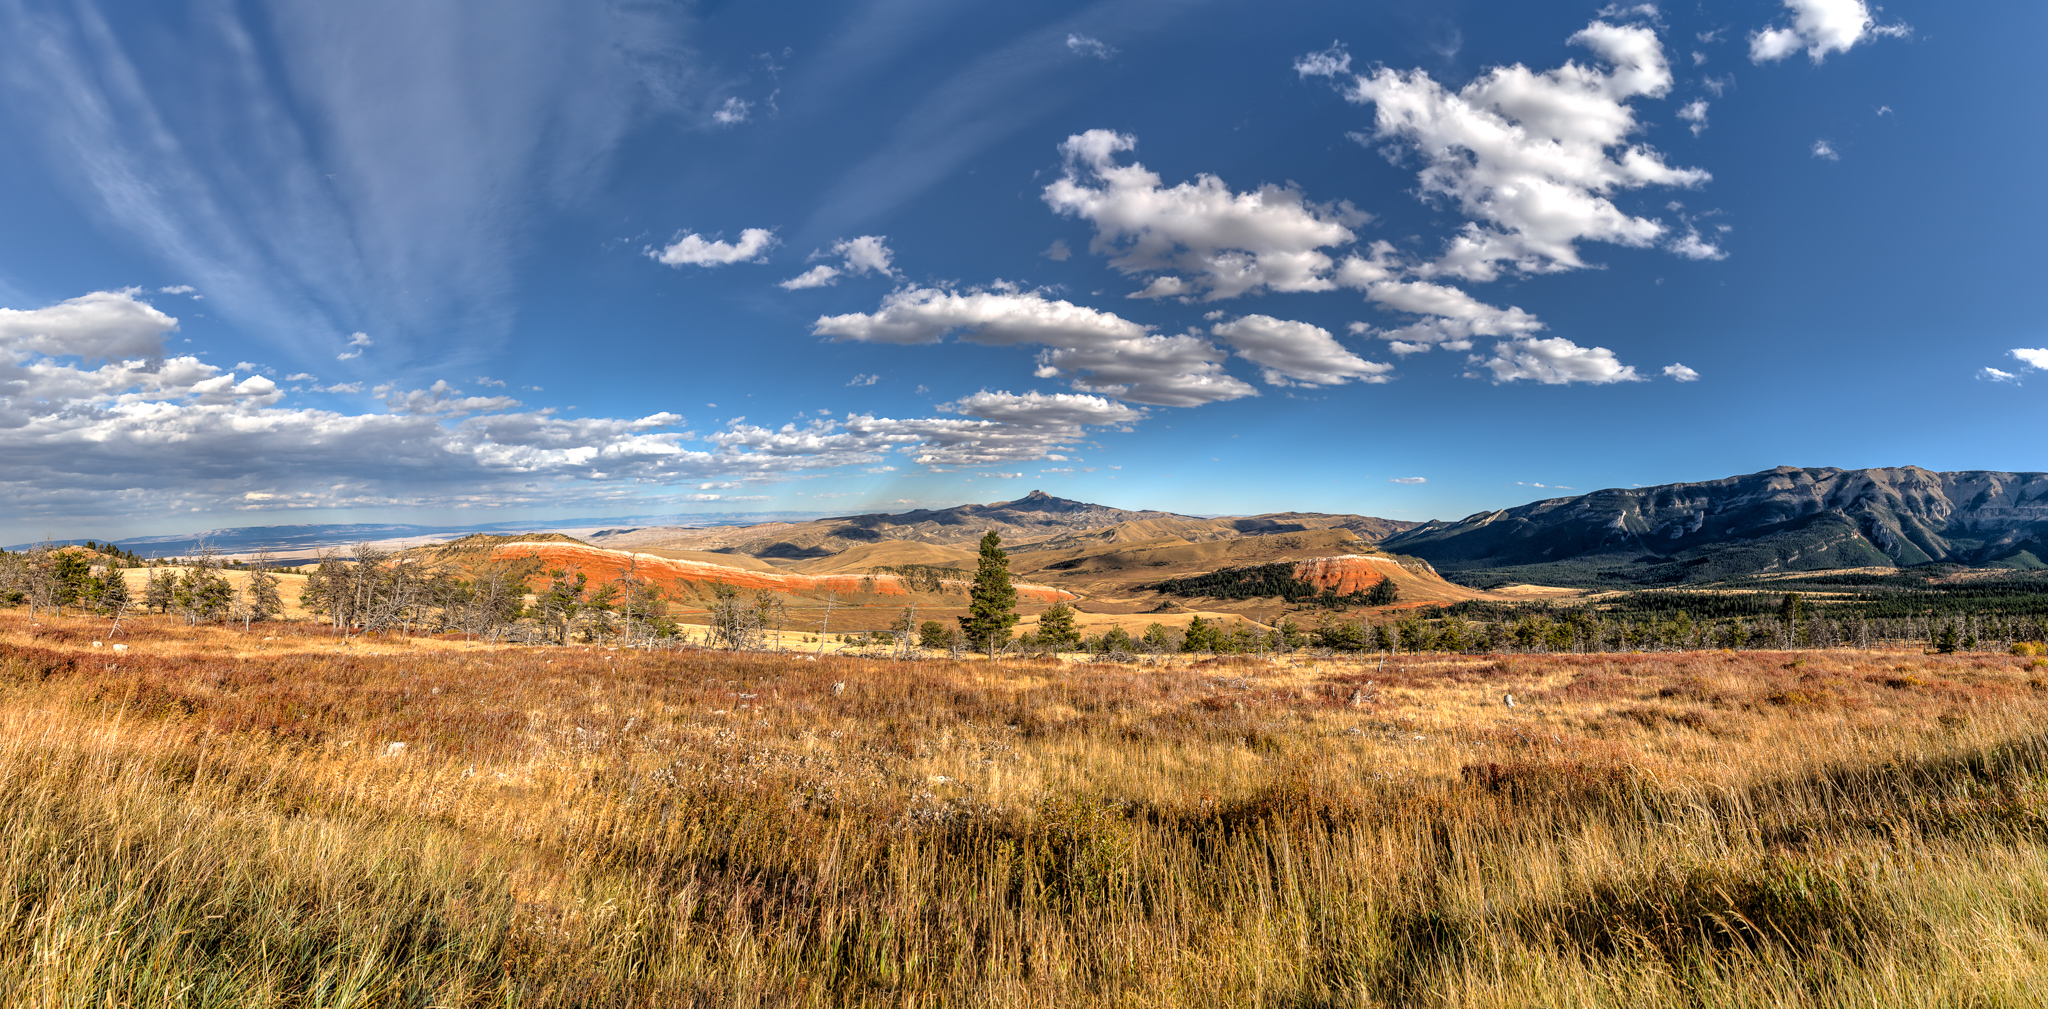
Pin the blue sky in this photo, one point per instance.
(286, 262)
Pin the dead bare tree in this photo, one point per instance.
(831, 599)
(907, 638)
(39, 577)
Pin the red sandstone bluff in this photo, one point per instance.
(1346, 574)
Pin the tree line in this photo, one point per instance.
(1266, 581)
(1791, 622)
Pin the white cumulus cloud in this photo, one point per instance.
(1555, 361)
(1449, 317)
(356, 341)
(868, 253)
(103, 324)
(1534, 158)
(440, 400)
(1820, 27)
(858, 257)
(1680, 373)
(1101, 352)
(999, 315)
(140, 434)
(2034, 358)
(1825, 151)
(1695, 112)
(695, 250)
(820, 275)
(1296, 352)
(1996, 375)
(1197, 238)
(1408, 479)
(1041, 410)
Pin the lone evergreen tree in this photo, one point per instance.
(992, 604)
(157, 594)
(1056, 629)
(113, 593)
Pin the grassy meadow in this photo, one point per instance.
(208, 818)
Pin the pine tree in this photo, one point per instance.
(992, 603)
(74, 580)
(1945, 642)
(1056, 628)
(559, 603)
(162, 585)
(1383, 593)
(113, 592)
(264, 600)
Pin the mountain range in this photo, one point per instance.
(1781, 520)
(1785, 519)
(1037, 521)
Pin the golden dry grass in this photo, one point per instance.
(208, 819)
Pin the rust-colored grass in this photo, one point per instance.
(212, 819)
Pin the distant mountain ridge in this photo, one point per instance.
(1035, 521)
(245, 539)
(1785, 519)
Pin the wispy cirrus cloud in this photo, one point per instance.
(990, 96)
(320, 169)
(1090, 46)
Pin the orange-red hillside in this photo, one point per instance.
(690, 576)
(1346, 574)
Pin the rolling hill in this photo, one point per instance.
(1036, 518)
(1785, 519)
(1122, 577)
(1108, 561)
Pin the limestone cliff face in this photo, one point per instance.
(1815, 518)
(688, 577)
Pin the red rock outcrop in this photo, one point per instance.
(1346, 574)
